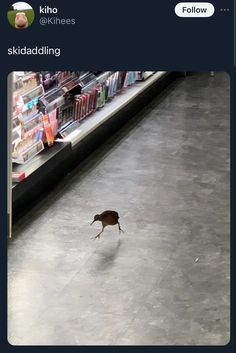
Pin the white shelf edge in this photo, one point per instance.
(99, 117)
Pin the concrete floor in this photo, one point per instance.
(165, 281)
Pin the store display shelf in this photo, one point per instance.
(43, 170)
(39, 160)
(110, 109)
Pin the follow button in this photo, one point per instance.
(194, 9)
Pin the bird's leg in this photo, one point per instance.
(98, 236)
(120, 230)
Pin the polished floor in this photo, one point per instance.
(165, 281)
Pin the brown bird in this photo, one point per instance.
(108, 218)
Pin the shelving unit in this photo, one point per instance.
(40, 173)
(110, 109)
(46, 168)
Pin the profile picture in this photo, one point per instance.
(20, 15)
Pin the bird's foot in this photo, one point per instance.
(121, 230)
(95, 237)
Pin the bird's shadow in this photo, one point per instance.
(107, 258)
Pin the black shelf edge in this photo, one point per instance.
(42, 172)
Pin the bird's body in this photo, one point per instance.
(107, 218)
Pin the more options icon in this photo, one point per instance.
(194, 9)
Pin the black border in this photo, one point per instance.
(181, 47)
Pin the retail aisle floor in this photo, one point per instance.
(166, 279)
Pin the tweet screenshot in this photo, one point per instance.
(117, 185)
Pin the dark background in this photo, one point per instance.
(121, 34)
(117, 35)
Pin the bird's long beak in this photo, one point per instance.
(92, 222)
